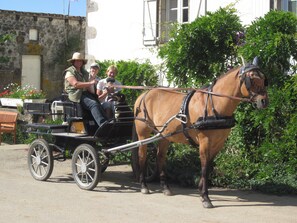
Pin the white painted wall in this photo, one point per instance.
(115, 31)
(115, 27)
(248, 10)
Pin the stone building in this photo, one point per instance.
(39, 48)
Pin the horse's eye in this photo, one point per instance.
(265, 82)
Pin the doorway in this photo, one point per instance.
(31, 71)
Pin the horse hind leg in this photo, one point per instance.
(161, 158)
(142, 154)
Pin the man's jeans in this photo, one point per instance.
(89, 102)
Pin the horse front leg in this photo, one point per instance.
(203, 186)
(161, 158)
(142, 154)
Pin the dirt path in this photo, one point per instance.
(117, 199)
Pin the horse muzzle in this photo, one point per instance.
(261, 101)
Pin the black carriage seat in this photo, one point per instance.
(79, 119)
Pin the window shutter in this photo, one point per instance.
(149, 22)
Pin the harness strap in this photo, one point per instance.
(145, 113)
(209, 97)
(184, 110)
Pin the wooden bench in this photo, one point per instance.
(8, 124)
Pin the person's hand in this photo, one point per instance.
(109, 89)
(93, 81)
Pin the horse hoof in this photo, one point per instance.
(207, 204)
(167, 192)
(145, 191)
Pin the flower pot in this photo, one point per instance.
(11, 102)
(14, 102)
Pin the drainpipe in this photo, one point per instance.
(199, 8)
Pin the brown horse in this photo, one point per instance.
(203, 118)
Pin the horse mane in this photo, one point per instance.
(218, 78)
(228, 72)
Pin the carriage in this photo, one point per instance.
(201, 117)
(78, 138)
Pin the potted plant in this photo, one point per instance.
(14, 95)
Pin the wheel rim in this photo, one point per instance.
(39, 160)
(85, 169)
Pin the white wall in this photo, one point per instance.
(115, 30)
(248, 10)
(115, 27)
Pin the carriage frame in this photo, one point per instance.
(80, 139)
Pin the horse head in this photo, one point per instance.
(253, 84)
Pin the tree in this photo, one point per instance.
(272, 38)
(132, 73)
(201, 50)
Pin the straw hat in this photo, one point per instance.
(77, 56)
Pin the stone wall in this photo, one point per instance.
(58, 37)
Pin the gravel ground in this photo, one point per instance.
(117, 198)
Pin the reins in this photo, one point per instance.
(184, 89)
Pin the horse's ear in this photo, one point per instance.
(243, 61)
(256, 61)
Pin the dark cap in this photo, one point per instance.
(95, 65)
(109, 79)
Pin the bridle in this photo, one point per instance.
(251, 76)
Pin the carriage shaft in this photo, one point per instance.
(135, 144)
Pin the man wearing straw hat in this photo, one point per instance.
(76, 84)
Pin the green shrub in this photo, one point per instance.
(183, 165)
(132, 73)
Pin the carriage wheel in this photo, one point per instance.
(86, 167)
(40, 160)
(151, 163)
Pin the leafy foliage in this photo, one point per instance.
(200, 50)
(3, 39)
(183, 165)
(272, 38)
(261, 152)
(132, 73)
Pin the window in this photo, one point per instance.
(286, 5)
(292, 6)
(158, 17)
(33, 34)
(178, 11)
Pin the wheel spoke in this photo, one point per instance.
(39, 170)
(44, 163)
(81, 160)
(44, 157)
(90, 176)
(33, 161)
(92, 161)
(87, 179)
(92, 169)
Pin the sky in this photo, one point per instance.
(77, 7)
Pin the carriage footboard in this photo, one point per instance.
(41, 128)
